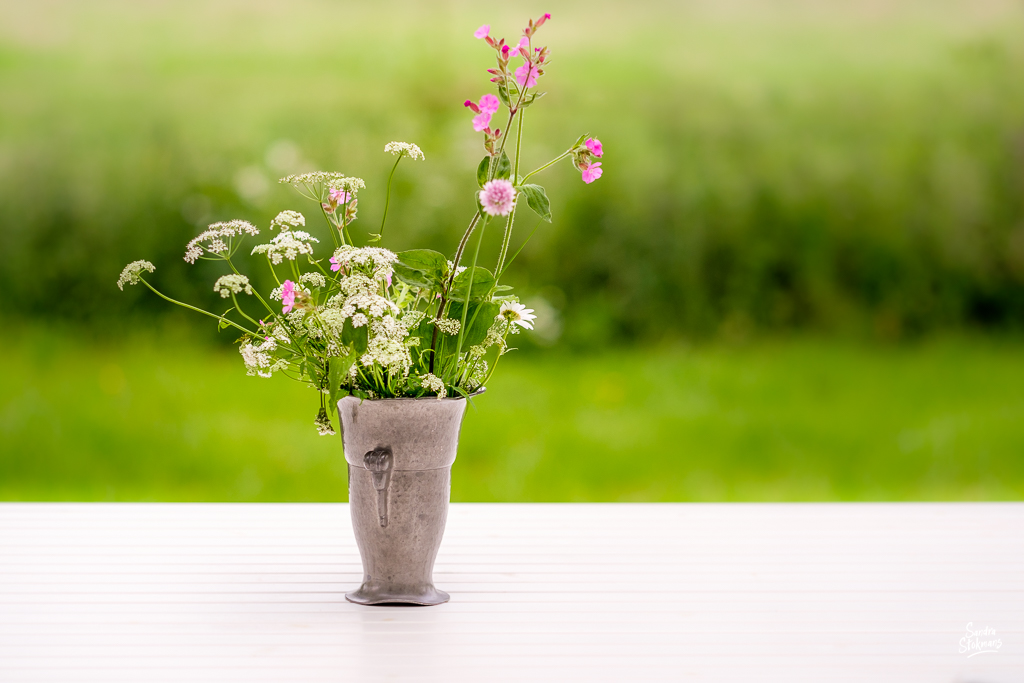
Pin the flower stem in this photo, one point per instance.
(387, 196)
(548, 165)
(469, 294)
(193, 308)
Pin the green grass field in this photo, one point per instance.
(780, 420)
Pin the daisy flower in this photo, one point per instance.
(515, 312)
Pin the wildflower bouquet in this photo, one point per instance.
(375, 323)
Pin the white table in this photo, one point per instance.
(617, 592)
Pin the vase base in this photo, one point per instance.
(371, 594)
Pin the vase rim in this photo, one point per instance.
(416, 398)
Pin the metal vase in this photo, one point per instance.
(399, 453)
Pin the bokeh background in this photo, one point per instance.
(800, 278)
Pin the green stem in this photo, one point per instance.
(511, 214)
(330, 225)
(387, 196)
(547, 165)
(469, 294)
(197, 310)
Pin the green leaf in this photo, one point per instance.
(354, 337)
(530, 99)
(423, 268)
(423, 259)
(373, 238)
(481, 170)
(479, 319)
(581, 140)
(503, 288)
(503, 96)
(504, 167)
(537, 198)
(483, 281)
(338, 369)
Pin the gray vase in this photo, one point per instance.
(400, 453)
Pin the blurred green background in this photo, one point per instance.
(800, 278)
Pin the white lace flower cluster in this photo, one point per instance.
(287, 220)
(313, 279)
(434, 383)
(212, 240)
(376, 262)
(325, 179)
(130, 274)
(448, 325)
(259, 360)
(407, 148)
(386, 346)
(287, 245)
(226, 285)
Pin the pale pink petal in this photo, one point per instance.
(489, 104)
(481, 121)
(482, 31)
(526, 75)
(591, 172)
(497, 197)
(594, 145)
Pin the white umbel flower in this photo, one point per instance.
(226, 285)
(448, 325)
(407, 148)
(212, 239)
(287, 245)
(130, 274)
(515, 312)
(313, 279)
(323, 179)
(287, 220)
(434, 383)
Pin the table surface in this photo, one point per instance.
(589, 592)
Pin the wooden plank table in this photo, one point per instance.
(610, 592)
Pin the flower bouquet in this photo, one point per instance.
(367, 325)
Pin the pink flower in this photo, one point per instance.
(497, 197)
(591, 172)
(340, 196)
(389, 279)
(288, 296)
(481, 121)
(489, 104)
(335, 265)
(522, 49)
(594, 145)
(484, 109)
(526, 75)
(482, 31)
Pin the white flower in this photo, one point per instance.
(287, 245)
(323, 424)
(130, 274)
(226, 285)
(321, 180)
(515, 312)
(288, 219)
(313, 279)
(374, 262)
(214, 237)
(358, 320)
(258, 359)
(434, 383)
(448, 325)
(458, 271)
(407, 148)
